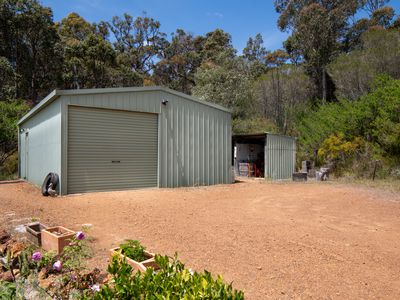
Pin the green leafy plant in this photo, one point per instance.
(48, 259)
(133, 249)
(338, 151)
(370, 124)
(7, 290)
(10, 112)
(171, 281)
(74, 255)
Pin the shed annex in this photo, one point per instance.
(271, 156)
(125, 138)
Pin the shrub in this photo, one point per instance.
(374, 118)
(171, 281)
(338, 151)
(7, 290)
(253, 125)
(9, 169)
(10, 113)
(133, 249)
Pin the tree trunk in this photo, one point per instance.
(324, 93)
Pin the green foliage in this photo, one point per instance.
(180, 59)
(385, 115)
(7, 80)
(89, 59)
(253, 125)
(373, 118)
(372, 5)
(7, 290)
(47, 261)
(317, 28)
(383, 17)
(10, 113)
(336, 147)
(9, 169)
(171, 281)
(24, 262)
(227, 83)
(138, 40)
(354, 73)
(254, 50)
(133, 249)
(217, 43)
(29, 42)
(75, 254)
(282, 90)
(338, 152)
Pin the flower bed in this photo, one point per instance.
(45, 274)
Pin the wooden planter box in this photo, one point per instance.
(56, 238)
(34, 232)
(136, 265)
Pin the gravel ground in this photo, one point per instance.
(273, 240)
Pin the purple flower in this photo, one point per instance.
(36, 256)
(80, 235)
(95, 288)
(57, 265)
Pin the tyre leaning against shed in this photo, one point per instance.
(50, 184)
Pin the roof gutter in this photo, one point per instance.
(57, 93)
(47, 100)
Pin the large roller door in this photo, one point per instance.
(111, 149)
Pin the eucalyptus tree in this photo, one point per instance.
(317, 28)
(179, 61)
(28, 40)
(255, 53)
(226, 81)
(372, 5)
(139, 42)
(89, 58)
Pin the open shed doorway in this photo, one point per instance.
(249, 155)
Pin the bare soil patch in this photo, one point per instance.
(294, 240)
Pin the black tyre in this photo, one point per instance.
(51, 181)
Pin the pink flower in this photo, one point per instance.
(80, 235)
(36, 256)
(57, 265)
(95, 288)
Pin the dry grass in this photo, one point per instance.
(392, 185)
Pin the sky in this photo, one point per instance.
(242, 19)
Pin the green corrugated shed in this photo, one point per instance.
(280, 156)
(122, 138)
(278, 151)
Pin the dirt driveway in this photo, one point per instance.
(285, 241)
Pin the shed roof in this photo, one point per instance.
(57, 93)
(257, 136)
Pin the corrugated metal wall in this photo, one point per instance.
(194, 138)
(280, 156)
(195, 144)
(40, 149)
